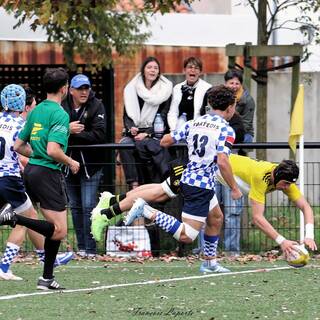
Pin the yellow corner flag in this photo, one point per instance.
(297, 120)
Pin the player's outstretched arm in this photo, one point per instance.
(305, 207)
(263, 224)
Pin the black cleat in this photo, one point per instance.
(7, 216)
(48, 284)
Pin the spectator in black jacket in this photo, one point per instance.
(245, 104)
(87, 126)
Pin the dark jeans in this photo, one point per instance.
(82, 194)
(128, 160)
(147, 163)
(232, 210)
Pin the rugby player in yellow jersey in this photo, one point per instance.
(257, 178)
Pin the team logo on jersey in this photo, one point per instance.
(178, 170)
(267, 178)
(36, 128)
(206, 124)
(4, 126)
(176, 182)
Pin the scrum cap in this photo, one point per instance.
(13, 97)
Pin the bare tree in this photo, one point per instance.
(267, 13)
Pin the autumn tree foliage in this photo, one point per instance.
(92, 29)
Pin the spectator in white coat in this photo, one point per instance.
(190, 95)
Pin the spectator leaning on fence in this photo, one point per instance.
(232, 209)
(44, 139)
(87, 126)
(245, 103)
(147, 94)
(190, 95)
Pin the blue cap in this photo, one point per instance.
(80, 80)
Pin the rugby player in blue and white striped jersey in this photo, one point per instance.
(209, 139)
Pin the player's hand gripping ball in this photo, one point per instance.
(298, 258)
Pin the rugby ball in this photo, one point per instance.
(298, 258)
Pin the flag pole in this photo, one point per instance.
(301, 183)
(295, 135)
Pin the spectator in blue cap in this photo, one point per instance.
(87, 126)
(80, 80)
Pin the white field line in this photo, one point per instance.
(121, 285)
(134, 265)
(137, 266)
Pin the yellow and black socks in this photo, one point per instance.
(117, 198)
(112, 211)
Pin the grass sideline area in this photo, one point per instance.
(157, 289)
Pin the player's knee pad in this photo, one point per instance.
(188, 230)
(24, 207)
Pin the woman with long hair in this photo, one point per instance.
(147, 94)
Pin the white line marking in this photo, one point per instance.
(141, 266)
(121, 285)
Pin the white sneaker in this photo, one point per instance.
(81, 253)
(216, 267)
(9, 276)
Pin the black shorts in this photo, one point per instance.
(46, 186)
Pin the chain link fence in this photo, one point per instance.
(283, 215)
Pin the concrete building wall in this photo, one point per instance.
(212, 7)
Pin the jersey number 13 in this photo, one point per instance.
(199, 145)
